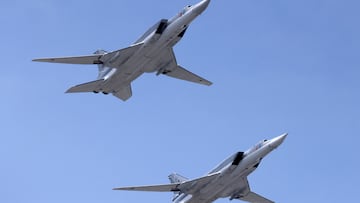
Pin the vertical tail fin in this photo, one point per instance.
(176, 178)
(103, 70)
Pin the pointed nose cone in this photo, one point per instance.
(275, 142)
(201, 6)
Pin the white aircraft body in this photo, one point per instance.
(153, 52)
(228, 179)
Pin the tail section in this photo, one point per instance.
(177, 178)
(103, 70)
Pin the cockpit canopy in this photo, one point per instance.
(185, 9)
(256, 147)
(181, 13)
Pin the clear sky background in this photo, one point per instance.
(277, 66)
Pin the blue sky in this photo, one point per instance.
(277, 66)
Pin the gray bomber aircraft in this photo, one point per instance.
(228, 179)
(153, 52)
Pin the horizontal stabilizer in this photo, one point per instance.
(91, 59)
(255, 198)
(87, 87)
(152, 188)
(183, 74)
(123, 93)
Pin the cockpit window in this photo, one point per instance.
(181, 13)
(256, 147)
(185, 10)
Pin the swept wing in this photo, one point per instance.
(112, 59)
(116, 58)
(255, 198)
(152, 188)
(247, 195)
(90, 59)
(174, 70)
(187, 187)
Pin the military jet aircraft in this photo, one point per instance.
(228, 179)
(152, 52)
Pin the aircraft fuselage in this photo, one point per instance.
(228, 179)
(155, 44)
(230, 182)
(152, 52)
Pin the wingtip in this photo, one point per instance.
(47, 60)
(117, 188)
(205, 82)
(69, 90)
